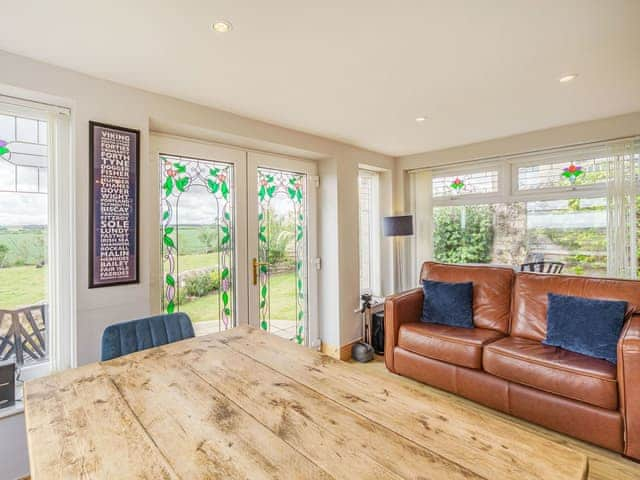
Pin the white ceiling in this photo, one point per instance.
(359, 71)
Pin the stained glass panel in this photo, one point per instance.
(551, 175)
(282, 253)
(477, 182)
(198, 241)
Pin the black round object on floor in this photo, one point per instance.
(362, 352)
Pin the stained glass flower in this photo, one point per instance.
(572, 172)
(457, 185)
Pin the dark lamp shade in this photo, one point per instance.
(397, 226)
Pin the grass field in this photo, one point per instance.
(22, 246)
(22, 286)
(282, 301)
(25, 285)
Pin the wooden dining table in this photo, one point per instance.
(243, 404)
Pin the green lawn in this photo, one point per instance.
(21, 286)
(282, 301)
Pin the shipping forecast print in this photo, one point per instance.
(114, 204)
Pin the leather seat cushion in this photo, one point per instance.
(553, 370)
(455, 345)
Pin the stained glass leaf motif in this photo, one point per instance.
(168, 186)
(3, 147)
(213, 186)
(181, 183)
(168, 241)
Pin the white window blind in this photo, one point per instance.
(369, 231)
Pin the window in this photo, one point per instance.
(575, 206)
(24, 225)
(36, 277)
(369, 228)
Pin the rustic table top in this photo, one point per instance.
(246, 404)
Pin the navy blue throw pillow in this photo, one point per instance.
(448, 303)
(585, 325)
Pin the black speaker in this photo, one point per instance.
(7, 385)
(377, 332)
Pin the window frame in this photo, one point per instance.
(61, 330)
(508, 180)
(375, 256)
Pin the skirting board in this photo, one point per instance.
(342, 353)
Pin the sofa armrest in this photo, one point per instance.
(629, 384)
(398, 309)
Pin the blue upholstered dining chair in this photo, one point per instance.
(128, 337)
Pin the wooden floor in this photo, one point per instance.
(603, 464)
(245, 404)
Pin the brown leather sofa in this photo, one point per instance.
(501, 363)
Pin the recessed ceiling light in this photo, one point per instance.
(420, 119)
(222, 26)
(568, 78)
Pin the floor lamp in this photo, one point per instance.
(397, 227)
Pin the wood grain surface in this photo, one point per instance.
(247, 405)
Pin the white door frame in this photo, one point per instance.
(310, 169)
(190, 148)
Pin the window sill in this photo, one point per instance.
(16, 409)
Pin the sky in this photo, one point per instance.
(20, 209)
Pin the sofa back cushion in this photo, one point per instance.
(491, 290)
(529, 319)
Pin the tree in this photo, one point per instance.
(463, 234)
(207, 238)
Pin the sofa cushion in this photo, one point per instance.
(529, 318)
(448, 303)
(491, 290)
(585, 325)
(455, 345)
(553, 370)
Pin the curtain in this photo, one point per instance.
(621, 210)
(423, 212)
(62, 300)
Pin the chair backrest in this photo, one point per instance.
(128, 337)
(542, 267)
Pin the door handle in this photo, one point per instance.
(256, 264)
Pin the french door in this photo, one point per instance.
(237, 238)
(282, 246)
